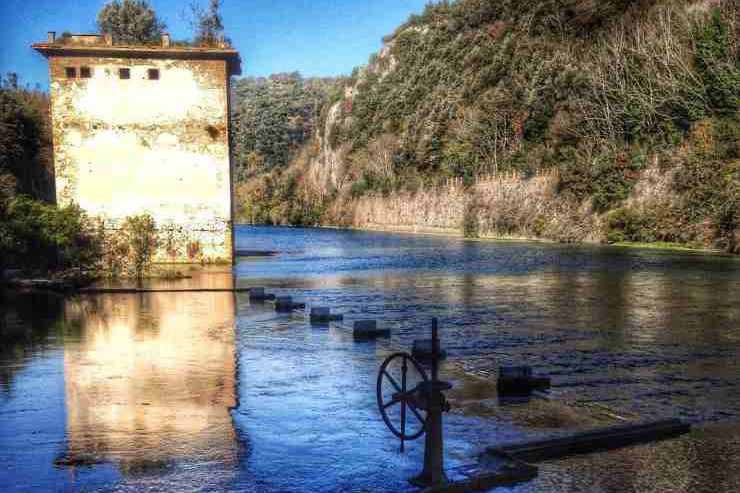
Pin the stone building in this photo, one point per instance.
(145, 129)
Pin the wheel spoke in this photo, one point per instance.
(416, 413)
(392, 381)
(403, 402)
(392, 402)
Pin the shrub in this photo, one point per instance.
(709, 180)
(39, 236)
(599, 172)
(471, 223)
(140, 234)
(360, 187)
(625, 225)
(458, 159)
(717, 63)
(115, 251)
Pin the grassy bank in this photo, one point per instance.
(451, 233)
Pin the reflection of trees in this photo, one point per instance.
(467, 295)
(612, 304)
(27, 322)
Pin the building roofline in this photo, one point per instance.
(230, 55)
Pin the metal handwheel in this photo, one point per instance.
(406, 393)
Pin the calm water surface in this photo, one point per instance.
(207, 392)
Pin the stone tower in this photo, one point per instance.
(145, 129)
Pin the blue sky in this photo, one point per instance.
(315, 37)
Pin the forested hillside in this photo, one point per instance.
(570, 120)
(272, 118)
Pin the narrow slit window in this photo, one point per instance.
(124, 73)
(71, 72)
(85, 72)
(153, 73)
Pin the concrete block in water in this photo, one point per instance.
(515, 371)
(367, 330)
(286, 304)
(283, 304)
(323, 315)
(320, 313)
(257, 294)
(519, 380)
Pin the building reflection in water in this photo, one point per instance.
(151, 381)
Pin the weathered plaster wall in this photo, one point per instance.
(125, 147)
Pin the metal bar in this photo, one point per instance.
(416, 412)
(393, 381)
(404, 367)
(159, 290)
(595, 440)
(392, 402)
(435, 351)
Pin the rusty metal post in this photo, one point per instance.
(433, 473)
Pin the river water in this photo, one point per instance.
(209, 392)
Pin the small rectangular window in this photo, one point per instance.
(124, 73)
(153, 73)
(85, 72)
(71, 72)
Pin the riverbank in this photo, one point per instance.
(455, 233)
(74, 280)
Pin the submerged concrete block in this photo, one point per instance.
(367, 330)
(515, 371)
(519, 380)
(286, 304)
(320, 313)
(283, 304)
(256, 293)
(323, 315)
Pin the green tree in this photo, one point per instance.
(207, 24)
(130, 22)
(25, 154)
(718, 63)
